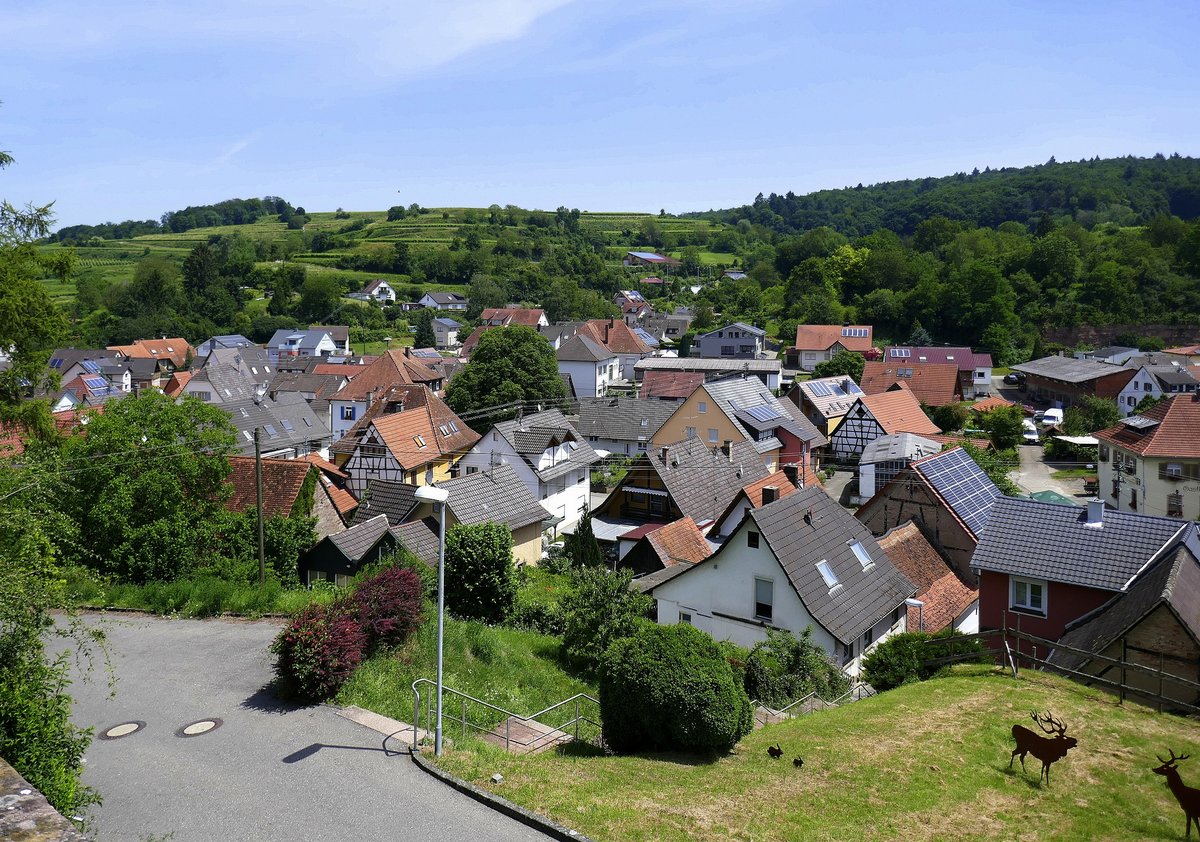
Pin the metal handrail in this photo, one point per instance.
(783, 711)
(507, 714)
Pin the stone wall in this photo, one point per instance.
(26, 816)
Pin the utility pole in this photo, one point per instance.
(258, 498)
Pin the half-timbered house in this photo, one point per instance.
(872, 416)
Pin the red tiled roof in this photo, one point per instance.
(945, 595)
(1177, 432)
(614, 335)
(282, 480)
(1184, 350)
(176, 384)
(324, 465)
(820, 337)
(963, 357)
(175, 349)
(392, 368)
(988, 404)
(899, 411)
(347, 371)
(399, 432)
(934, 384)
(342, 499)
(652, 279)
(679, 542)
(505, 316)
(471, 341)
(754, 491)
(982, 444)
(670, 384)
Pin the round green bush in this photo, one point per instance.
(904, 658)
(318, 650)
(670, 687)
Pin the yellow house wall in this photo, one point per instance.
(688, 415)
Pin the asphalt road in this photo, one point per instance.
(268, 772)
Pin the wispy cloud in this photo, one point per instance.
(228, 155)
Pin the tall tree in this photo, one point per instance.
(509, 365)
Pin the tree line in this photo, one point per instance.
(228, 212)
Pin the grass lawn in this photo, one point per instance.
(1073, 473)
(926, 761)
(509, 668)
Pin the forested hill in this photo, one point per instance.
(1126, 191)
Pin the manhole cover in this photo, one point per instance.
(202, 726)
(122, 730)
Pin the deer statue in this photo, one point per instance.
(1187, 796)
(1046, 749)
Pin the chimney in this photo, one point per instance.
(662, 455)
(1095, 513)
(770, 494)
(727, 449)
(792, 472)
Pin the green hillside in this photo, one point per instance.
(925, 761)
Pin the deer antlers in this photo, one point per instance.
(1174, 757)
(1056, 726)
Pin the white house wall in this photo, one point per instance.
(563, 497)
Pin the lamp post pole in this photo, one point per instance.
(920, 606)
(438, 497)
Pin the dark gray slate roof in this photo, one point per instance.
(906, 446)
(1174, 581)
(530, 436)
(1053, 541)
(742, 397)
(356, 541)
(420, 537)
(703, 482)
(385, 497)
(621, 419)
(582, 349)
(288, 410)
(862, 597)
(496, 495)
(1067, 369)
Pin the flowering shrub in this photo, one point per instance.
(318, 650)
(388, 605)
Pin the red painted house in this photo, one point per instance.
(1042, 566)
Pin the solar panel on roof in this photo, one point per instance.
(91, 366)
(838, 391)
(763, 413)
(94, 382)
(901, 353)
(853, 389)
(963, 485)
(56, 362)
(1139, 422)
(819, 390)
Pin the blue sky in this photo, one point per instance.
(121, 110)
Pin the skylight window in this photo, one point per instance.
(831, 579)
(271, 431)
(248, 436)
(420, 440)
(860, 552)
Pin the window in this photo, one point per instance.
(419, 441)
(685, 618)
(712, 435)
(1028, 595)
(1103, 452)
(204, 396)
(691, 431)
(831, 579)
(752, 540)
(868, 638)
(860, 552)
(810, 355)
(1175, 505)
(641, 446)
(471, 470)
(347, 413)
(702, 407)
(764, 598)
(1133, 499)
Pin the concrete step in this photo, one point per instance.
(396, 730)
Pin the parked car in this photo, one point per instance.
(1013, 378)
(1052, 417)
(1029, 432)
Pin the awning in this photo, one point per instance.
(653, 492)
(1079, 439)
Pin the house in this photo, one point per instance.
(444, 301)
(1151, 462)
(290, 429)
(650, 258)
(168, 354)
(765, 370)
(817, 343)
(872, 416)
(1043, 566)
(620, 426)
(334, 480)
(947, 494)
(1113, 354)
(376, 290)
(762, 492)
(85, 391)
(673, 386)
(948, 602)
(589, 364)
(682, 479)
(231, 374)
(392, 368)
(291, 488)
(420, 444)
(974, 369)
(633, 305)
(1155, 381)
(667, 327)
(802, 561)
(292, 344)
(740, 409)
(933, 384)
(983, 407)
(825, 400)
(174, 386)
(316, 389)
(505, 316)
(340, 334)
(550, 458)
(627, 344)
(653, 280)
(493, 496)
(337, 558)
(1063, 380)
(738, 341)
(1155, 622)
(883, 459)
(445, 331)
(666, 545)
(225, 340)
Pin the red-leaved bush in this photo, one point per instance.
(388, 605)
(318, 650)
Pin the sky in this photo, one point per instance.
(118, 110)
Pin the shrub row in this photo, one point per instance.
(324, 644)
(904, 658)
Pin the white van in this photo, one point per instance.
(1052, 417)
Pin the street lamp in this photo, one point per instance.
(438, 497)
(912, 603)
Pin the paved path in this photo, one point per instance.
(1034, 474)
(268, 772)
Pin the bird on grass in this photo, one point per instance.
(798, 762)
(775, 751)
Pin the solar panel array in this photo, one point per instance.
(94, 383)
(57, 362)
(860, 332)
(826, 390)
(763, 413)
(963, 485)
(901, 353)
(820, 390)
(91, 366)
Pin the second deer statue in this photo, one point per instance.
(1187, 796)
(1046, 749)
